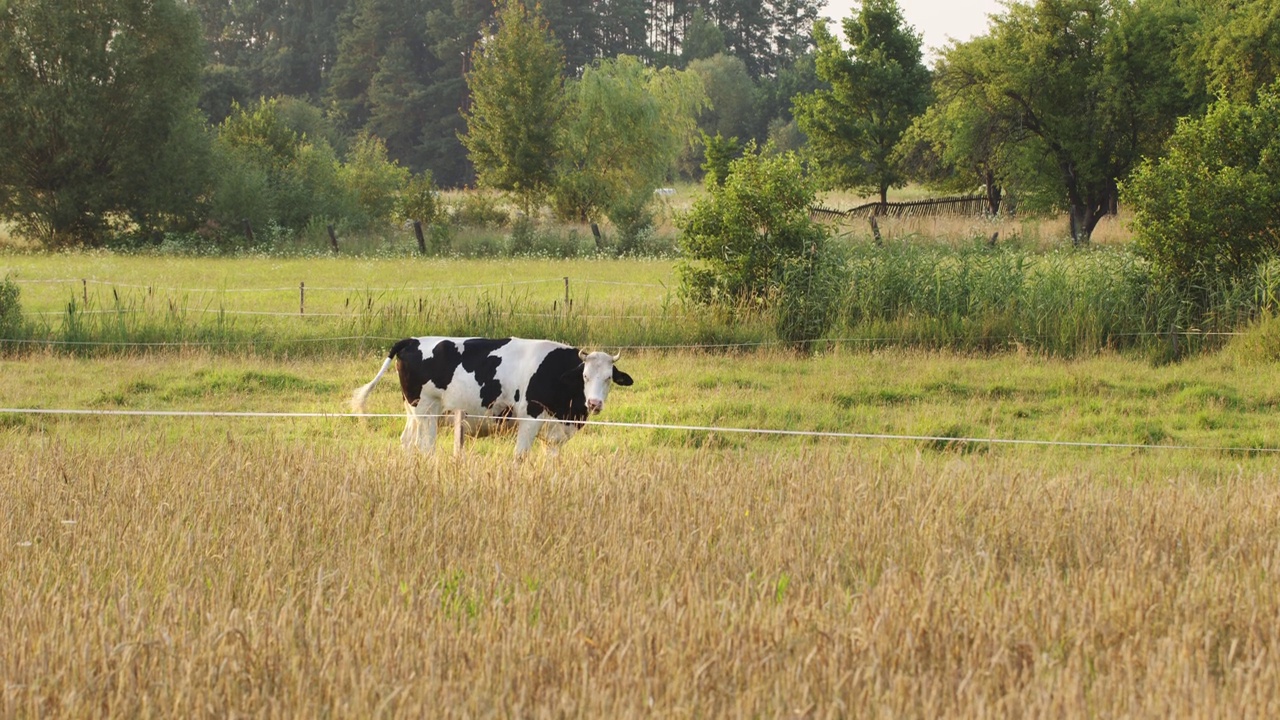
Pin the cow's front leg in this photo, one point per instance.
(526, 434)
(557, 434)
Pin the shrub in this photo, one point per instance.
(373, 181)
(812, 288)
(10, 310)
(479, 210)
(1208, 211)
(738, 239)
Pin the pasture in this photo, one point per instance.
(307, 566)
(286, 567)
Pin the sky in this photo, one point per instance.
(937, 20)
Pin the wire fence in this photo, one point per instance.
(610, 425)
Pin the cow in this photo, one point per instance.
(536, 383)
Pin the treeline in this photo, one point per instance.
(136, 118)
(124, 117)
(395, 69)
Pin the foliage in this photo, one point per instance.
(517, 101)
(625, 127)
(1209, 208)
(718, 152)
(876, 86)
(1237, 47)
(812, 286)
(732, 98)
(419, 200)
(738, 238)
(10, 310)
(478, 210)
(267, 174)
(1061, 98)
(98, 115)
(373, 180)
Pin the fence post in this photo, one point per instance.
(595, 230)
(566, 292)
(422, 242)
(302, 298)
(333, 239)
(84, 288)
(459, 418)
(248, 231)
(875, 229)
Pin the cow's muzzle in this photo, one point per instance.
(595, 406)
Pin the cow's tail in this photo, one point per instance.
(361, 395)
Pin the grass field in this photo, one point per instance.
(159, 567)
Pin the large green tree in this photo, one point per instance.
(1072, 92)
(877, 85)
(97, 112)
(517, 99)
(625, 126)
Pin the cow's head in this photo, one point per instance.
(598, 372)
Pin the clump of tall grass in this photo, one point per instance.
(1061, 302)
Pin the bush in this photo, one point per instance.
(739, 238)
(479, 210)
(10, 310)
(373, 181)
(1208, 211)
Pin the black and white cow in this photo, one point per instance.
(531, 381)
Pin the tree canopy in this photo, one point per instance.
(98, 115)
(517, 100)
(876, 86)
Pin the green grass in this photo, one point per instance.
(965, 297)
(1215, 401)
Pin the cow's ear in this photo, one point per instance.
(621, 378)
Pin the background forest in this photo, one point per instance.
(130, 121)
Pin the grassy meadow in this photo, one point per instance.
(285, 567)
(309, 567)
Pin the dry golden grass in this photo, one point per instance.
(240, 572)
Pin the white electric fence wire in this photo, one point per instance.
(657, 426)
(328, 288)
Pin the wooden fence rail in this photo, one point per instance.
(933, 207)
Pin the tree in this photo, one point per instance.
(1074, 91)
(517, 99)
(732, 94)
(1208, 209)
(1238, 46)
(876, 87)
(98, 115)
(624, 128)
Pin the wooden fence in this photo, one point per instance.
(933, 207)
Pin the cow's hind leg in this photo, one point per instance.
(427, 416)
(410, 433)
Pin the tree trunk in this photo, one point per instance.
(1084, 218)
(993, 193)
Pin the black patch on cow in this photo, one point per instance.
(556, 389)
(517, 395)
(475, 357)
(479, 360)
(409, 366)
